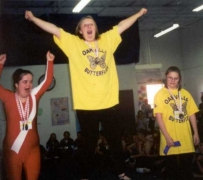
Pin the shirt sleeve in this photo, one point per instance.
(44, 85)
(64, 43)
(158, 105)
(113, 38)
(191, 107)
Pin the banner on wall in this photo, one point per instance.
(60, 112)
(145, 78)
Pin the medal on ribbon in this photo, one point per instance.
(179, 114)
(24, 114)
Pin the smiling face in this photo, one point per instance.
(172, 80)
(24, 86)
(88, 29)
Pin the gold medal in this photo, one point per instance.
(181, 116)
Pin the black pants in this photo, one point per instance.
(89, 124)
(179, 167)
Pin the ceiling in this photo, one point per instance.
(161, 13)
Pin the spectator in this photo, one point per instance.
(66, 146)
(145, 108)
(198, 162)
(200, 118)
(141, 123)
(52, 146)
(102, 152)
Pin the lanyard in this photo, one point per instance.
(96, 51)
(24, 114)
(179, 107)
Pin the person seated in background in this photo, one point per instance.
(79, 141)
(67, 143)
(52, 146)
(199, 116)
(43, 156)
(145, 108)
(102, 158)
(151, 148)
(150, 141)
(135, 151)
(66, 147)
(102, 144)
(198, 162)
(50, 164)
(141, 122)
(79, 149)
(152, 125)
(143, 153)
(126, 140)
(201, 107)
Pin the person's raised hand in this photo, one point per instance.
(50, 56)
(2, 58)
(142, 12)
(29, 15)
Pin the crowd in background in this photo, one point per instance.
(140, 149)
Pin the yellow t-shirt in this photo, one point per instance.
(94, 79)
(179, 130)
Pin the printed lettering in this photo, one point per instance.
(96, 73)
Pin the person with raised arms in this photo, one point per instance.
(94, 80)
(21, 148)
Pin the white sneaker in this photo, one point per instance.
(143, 170)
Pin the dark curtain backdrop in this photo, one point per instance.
(26, 44)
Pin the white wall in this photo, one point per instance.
(175, 48)
(192, 45)
(165, 50)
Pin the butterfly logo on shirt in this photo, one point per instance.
(94, 61)
(174, 107)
